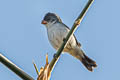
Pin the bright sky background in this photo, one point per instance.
(23, 38)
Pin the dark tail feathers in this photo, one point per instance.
(88, 63)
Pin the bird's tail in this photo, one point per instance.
(86, 61)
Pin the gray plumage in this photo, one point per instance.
(57, 31)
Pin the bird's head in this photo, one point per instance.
(50, 18)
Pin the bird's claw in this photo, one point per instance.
(55, 56)
(64, 39)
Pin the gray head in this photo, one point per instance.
(50, 18)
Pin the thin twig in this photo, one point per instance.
(15, 68)
(75, 25)
(36, 68)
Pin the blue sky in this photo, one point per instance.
(23, 38)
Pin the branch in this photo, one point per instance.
(14, 68)
(75, 25)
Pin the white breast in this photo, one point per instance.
(56, 33)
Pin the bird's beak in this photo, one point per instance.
(44, 22)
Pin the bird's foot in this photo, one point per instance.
(64, 39)
(55, 56)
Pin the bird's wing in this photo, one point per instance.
(73, 35)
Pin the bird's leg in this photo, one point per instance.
(64, 39)
(55, 55)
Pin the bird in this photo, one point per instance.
(57, 32)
